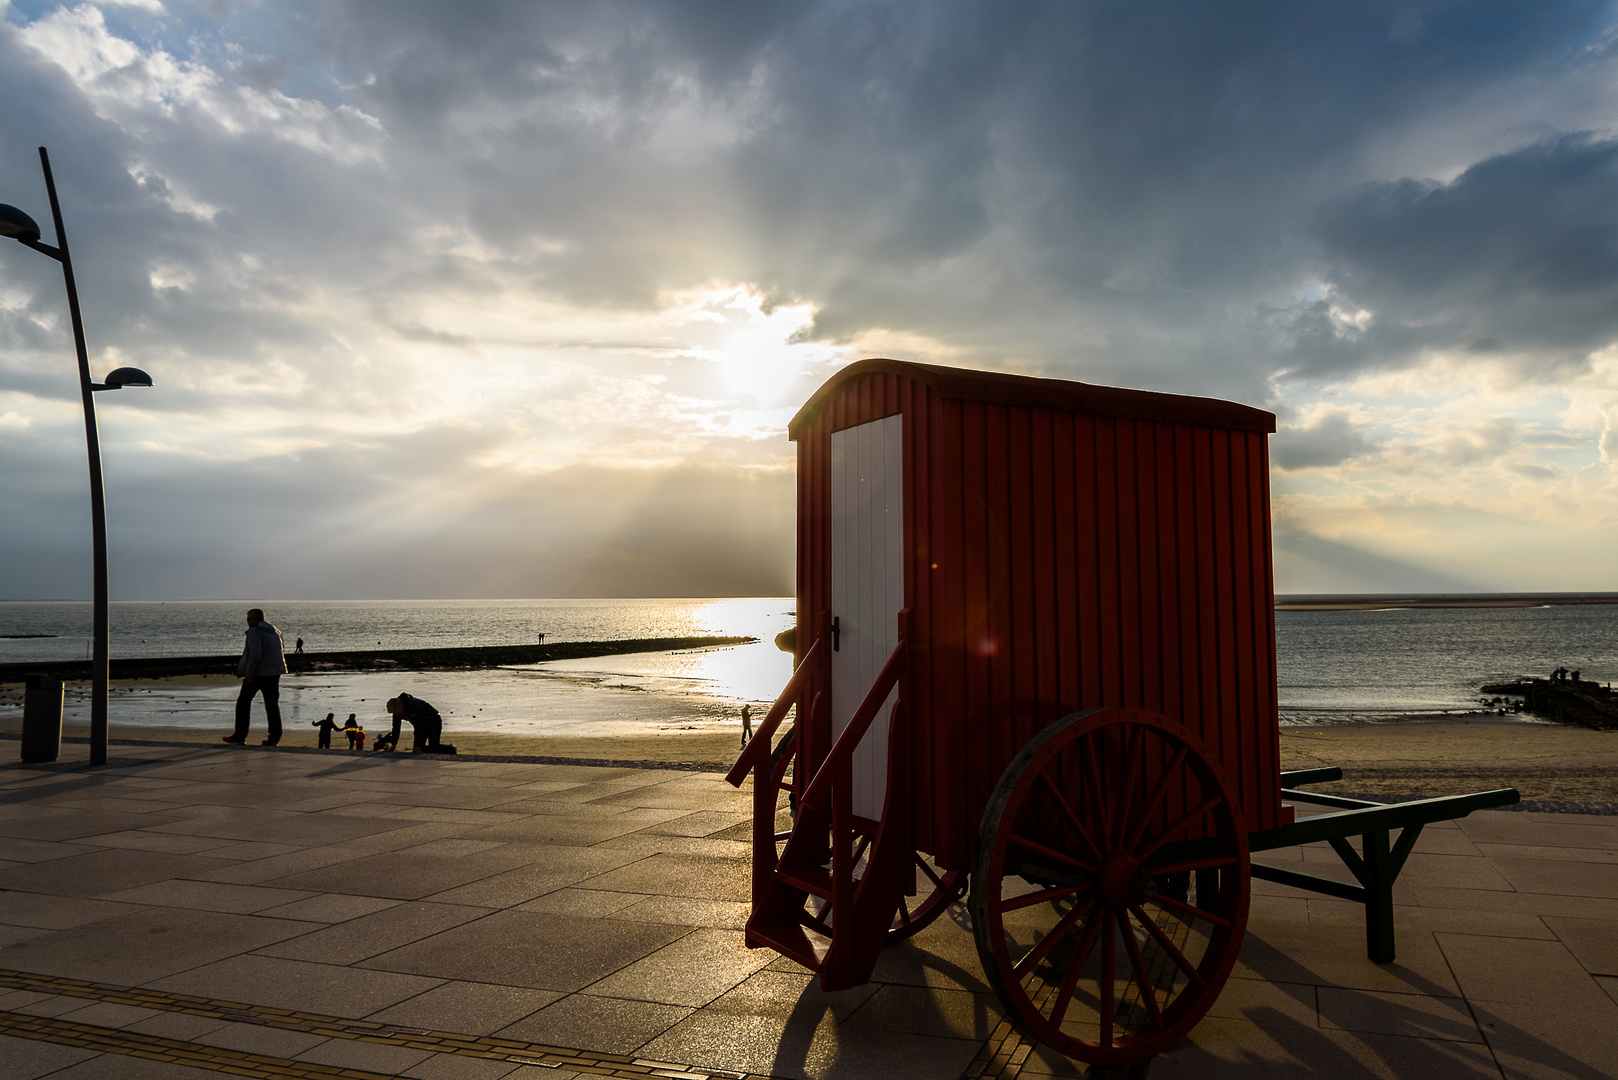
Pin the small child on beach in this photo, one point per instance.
(356, 734)
(326, 726)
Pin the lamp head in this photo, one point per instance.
(126, 376)
(17, 225)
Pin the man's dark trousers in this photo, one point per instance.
(428, 730)
(270, 685)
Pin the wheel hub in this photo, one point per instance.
(1120, 880)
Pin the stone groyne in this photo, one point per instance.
(1567, 701)
(472, 656)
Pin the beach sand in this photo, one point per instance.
(1413, 759)
(715, 748)
(1450, 757)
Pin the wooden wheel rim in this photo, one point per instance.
(1108, 906)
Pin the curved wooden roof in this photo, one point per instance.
(1001, 388)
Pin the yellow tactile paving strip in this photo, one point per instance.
(174, 1051)
(116, 1041)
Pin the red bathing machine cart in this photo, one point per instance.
(1035, 650)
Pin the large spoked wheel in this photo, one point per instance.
(1086, 918)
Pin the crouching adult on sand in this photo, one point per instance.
(423, 718)
(262, 664)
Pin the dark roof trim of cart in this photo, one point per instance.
(1005, 389)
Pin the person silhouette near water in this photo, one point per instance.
(299, 647)
(747, 724)
(356, 735)
(423, 718)
(262, 664)
(326, 726)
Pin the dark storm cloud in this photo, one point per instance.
(1101, 189)
(1108, 187)
(1331, 440)
(1516, 257)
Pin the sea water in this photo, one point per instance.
(681, 690)
(1334, 666)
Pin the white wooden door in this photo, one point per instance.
(867, 587)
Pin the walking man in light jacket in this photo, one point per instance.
(262, 664)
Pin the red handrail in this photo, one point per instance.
(814, 795)
(759, 745)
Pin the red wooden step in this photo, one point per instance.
(815, 880)
(786, 938)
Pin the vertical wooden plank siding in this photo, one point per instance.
(1087, 611)
(977, 527)
(1108, 600)
(918, 597)
(1065, 523)
(1025, 579)
(1046, 575)
(1131, 660)
(949, 644)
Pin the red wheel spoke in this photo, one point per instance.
(1148, 992)
(1094, 789)
(1155, 799)
(1071, 818)
(1190, 816)
(1030, 899)
(934, 878)
(1109, 958)
(1194, 912)
(1081, 956)
(1212, 863)
(1132, 753)
(1048, 942)
(1036, 846)
(904, 912)
(1168, 946)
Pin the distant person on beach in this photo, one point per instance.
(351, 728)
(326, 726)
(423, 718)
(262, 664)
(299, 646)
(542, 639)
(747, 723)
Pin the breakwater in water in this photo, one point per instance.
(427, 659)
(1567, 701)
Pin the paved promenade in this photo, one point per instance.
(188, 911)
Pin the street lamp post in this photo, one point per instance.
(20, 227)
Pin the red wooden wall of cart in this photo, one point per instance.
(1036, 642)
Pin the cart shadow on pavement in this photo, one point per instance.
(871, 1022)
(1388, 1039)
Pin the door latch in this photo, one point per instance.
(836, 629)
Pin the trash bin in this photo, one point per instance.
(42, 719)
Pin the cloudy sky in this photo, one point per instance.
(496, 300)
